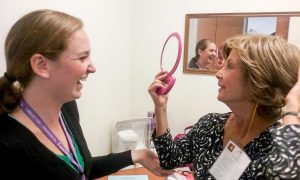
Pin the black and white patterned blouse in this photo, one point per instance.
(274, 154)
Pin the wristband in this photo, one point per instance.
(297, 114)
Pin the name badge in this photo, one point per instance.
(231, 163)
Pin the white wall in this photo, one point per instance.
(127, 37)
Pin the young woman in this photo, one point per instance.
(48, 56)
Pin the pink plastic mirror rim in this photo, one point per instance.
(174, 34)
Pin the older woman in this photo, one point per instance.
(259, 71)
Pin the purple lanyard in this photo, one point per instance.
(43, 126)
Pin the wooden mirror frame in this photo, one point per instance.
(282, 29)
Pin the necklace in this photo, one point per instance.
(242, 138)
(250, 125)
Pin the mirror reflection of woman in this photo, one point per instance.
(205, 53)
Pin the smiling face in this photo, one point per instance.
(208, 54)
(211, 51)
(72, 67)
(231, 80)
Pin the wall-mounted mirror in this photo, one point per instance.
(205, 33)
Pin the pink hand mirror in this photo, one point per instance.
(170, 80)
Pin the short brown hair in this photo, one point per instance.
(270, 66)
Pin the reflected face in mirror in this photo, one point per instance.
(208, 55)
(205, 53)
(220, 26)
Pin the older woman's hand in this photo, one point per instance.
(150, 161)
(159, 100)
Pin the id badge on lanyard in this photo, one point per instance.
(231, 164)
